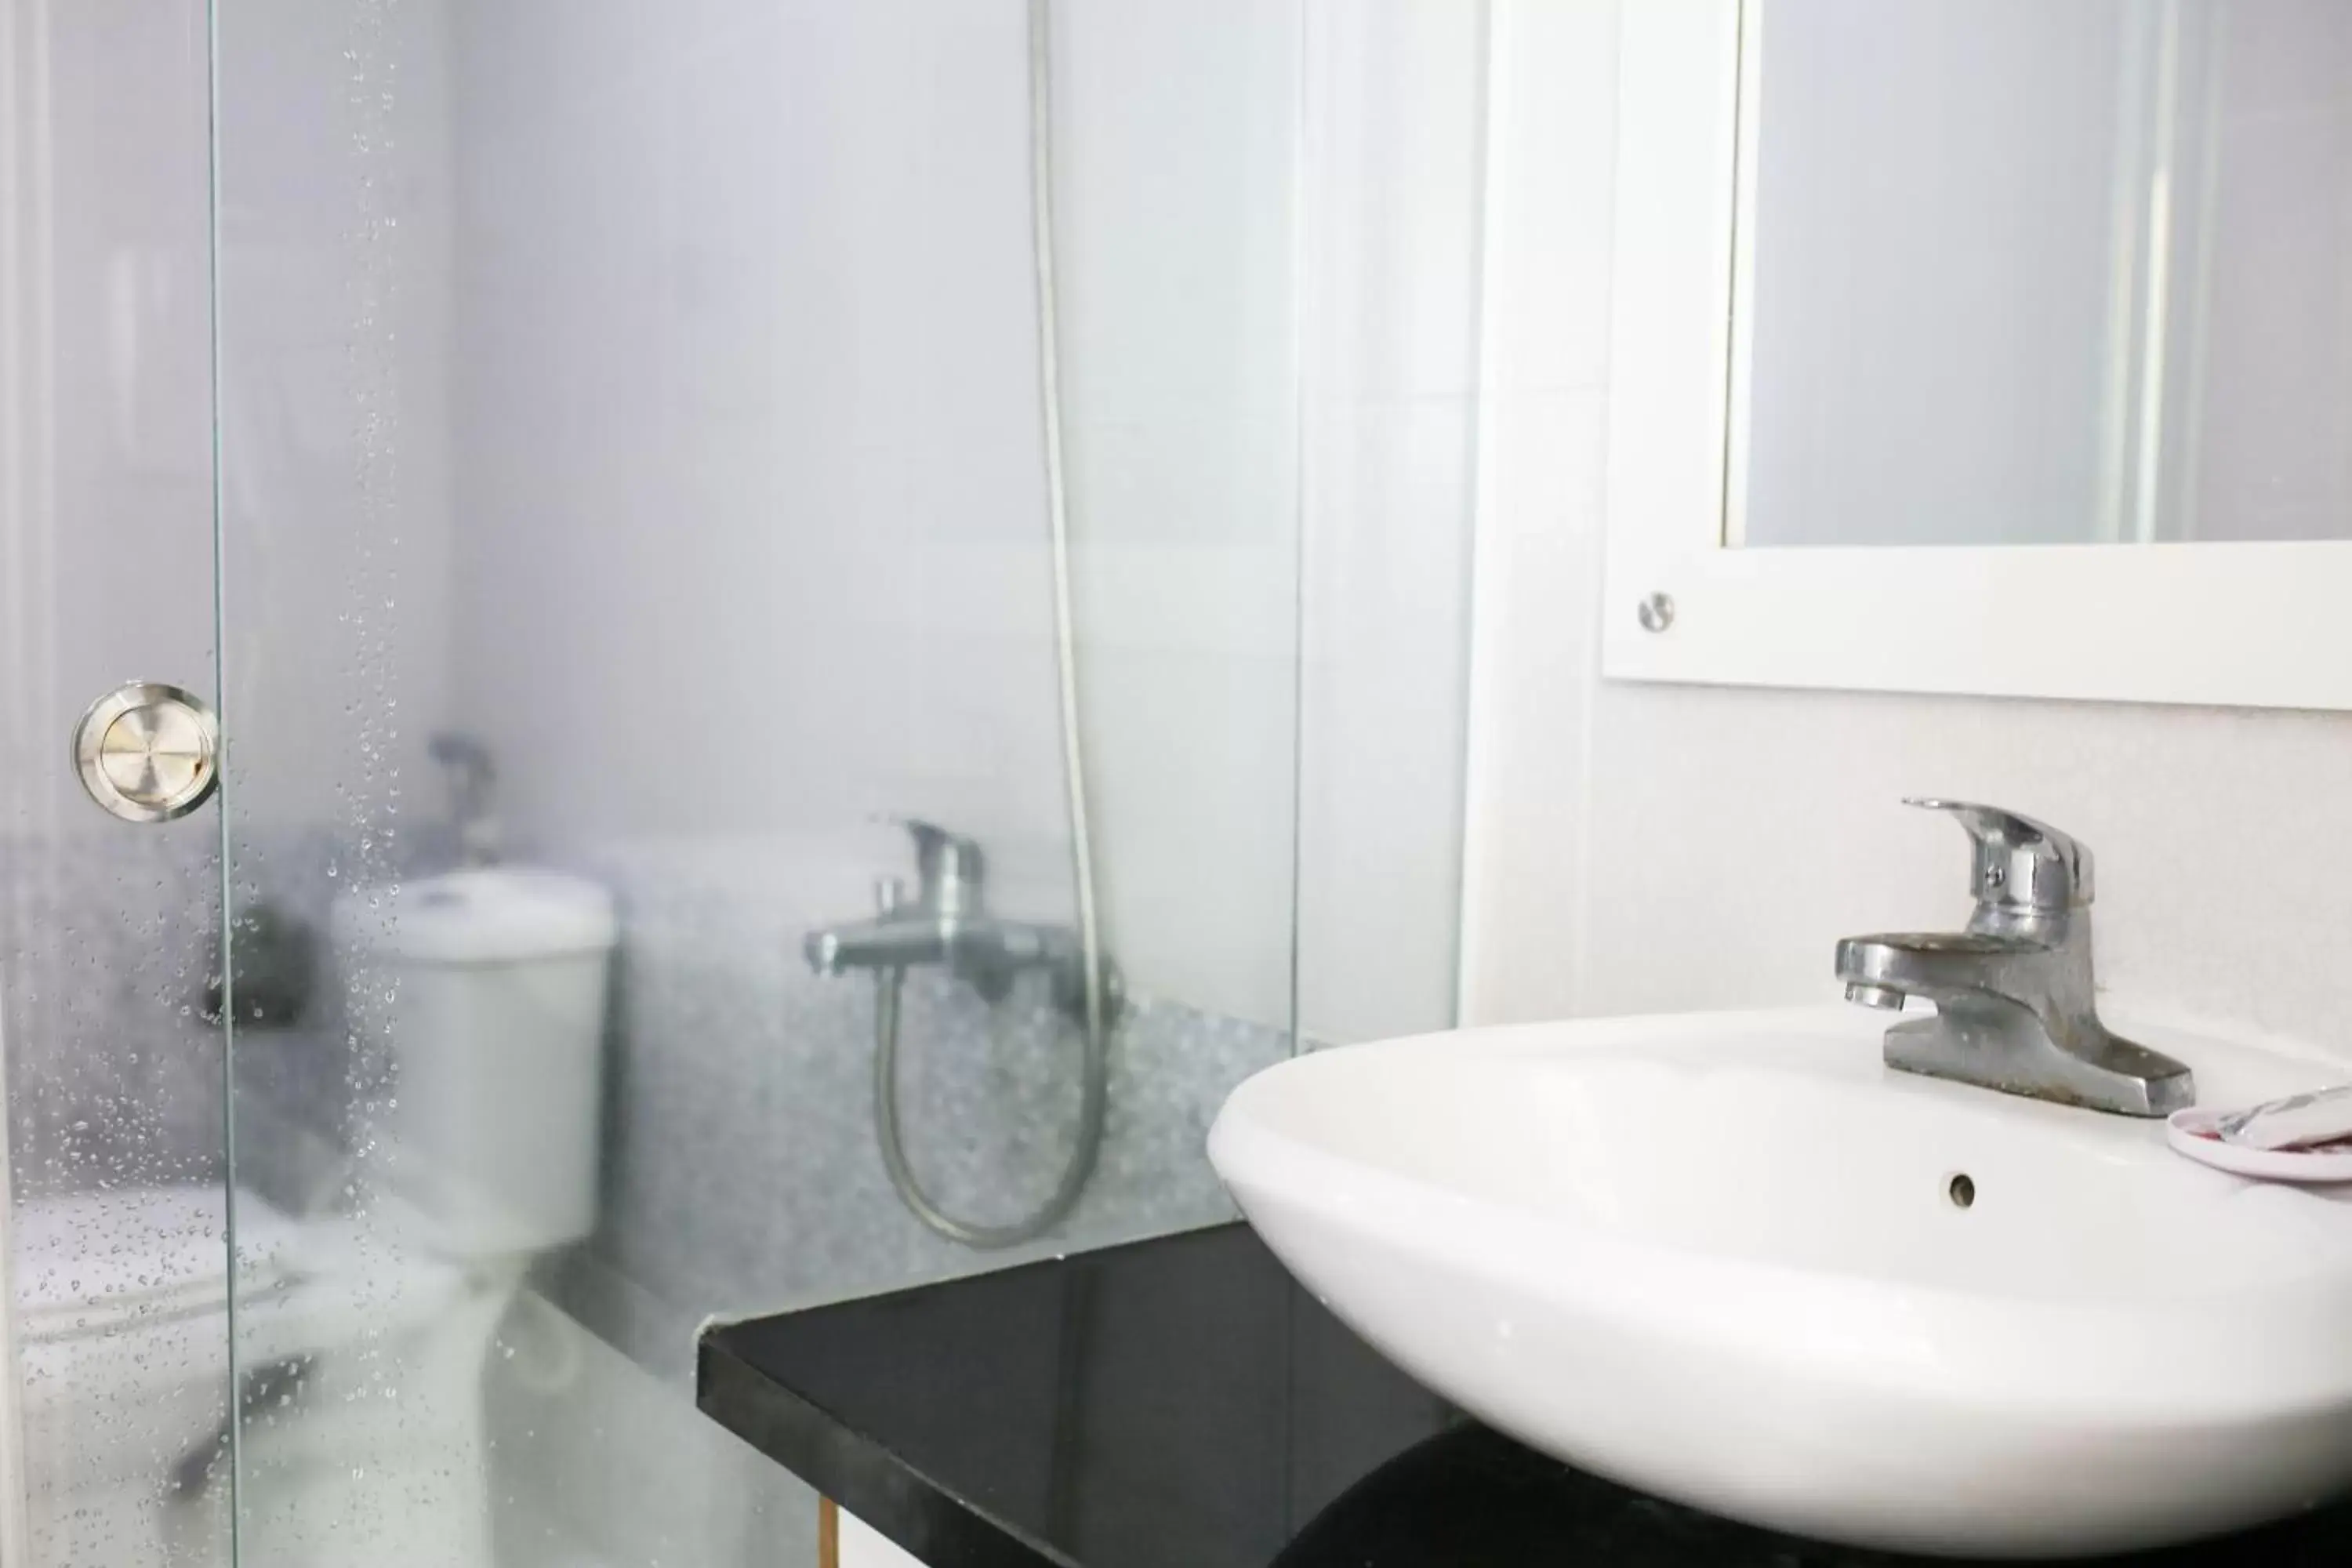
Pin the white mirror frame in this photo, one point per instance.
(2264, 626)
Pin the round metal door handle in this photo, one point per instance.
(148, 753)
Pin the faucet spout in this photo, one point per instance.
(1884, 998)
(984, 950)
(1941, 968)
(887, 942)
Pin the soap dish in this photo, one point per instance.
(2194, 1132)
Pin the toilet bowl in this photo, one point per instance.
(358, 1356)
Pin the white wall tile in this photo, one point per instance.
(753, 528)
(1178, 221)
(1535, 648)
(1536, 656)
(1549, 154)
(1394, 172)
(336, 315)
(108, 525)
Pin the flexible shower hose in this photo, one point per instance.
(890, 984)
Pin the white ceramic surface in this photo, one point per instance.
(394, 1342)
(1717, 1257)
(496, 981)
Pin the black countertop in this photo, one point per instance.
(1181, 1403)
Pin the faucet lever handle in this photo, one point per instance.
(2020, 863)
(951, 868)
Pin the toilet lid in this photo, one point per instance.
(498, 914)
(87, 1262)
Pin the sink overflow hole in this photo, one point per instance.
(1961, 1190)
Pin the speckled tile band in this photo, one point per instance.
(741, 1171)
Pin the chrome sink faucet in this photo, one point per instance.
(2015, 1008)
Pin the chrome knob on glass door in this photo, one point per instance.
(148, 752)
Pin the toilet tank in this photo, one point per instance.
(487, 986)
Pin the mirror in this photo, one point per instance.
(2012, 272)
(1919, 311)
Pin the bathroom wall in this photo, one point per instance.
(752, 559)
(1393, 169)
(1663, 846)
(760, 563)
(336, 352)
(805, 442)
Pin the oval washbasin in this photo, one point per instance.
(1732, 1259)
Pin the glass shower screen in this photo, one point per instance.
(595, 460)
(114, 1429)
(636, 505)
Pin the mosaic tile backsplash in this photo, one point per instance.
(741, 1170)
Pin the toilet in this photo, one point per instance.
(496, 977)
(361, 1336)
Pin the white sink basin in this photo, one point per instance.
(1719, 1257)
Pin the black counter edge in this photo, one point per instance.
(855, 1470)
